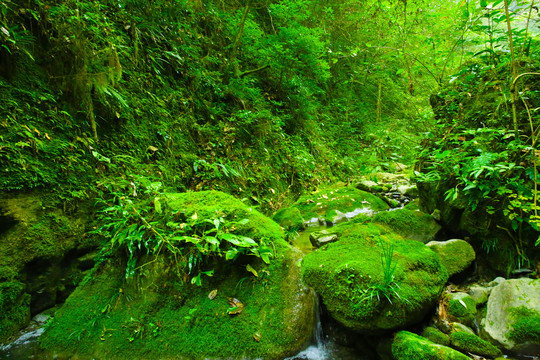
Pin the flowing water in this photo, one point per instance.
(26, 345)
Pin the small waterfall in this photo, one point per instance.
(317, 350)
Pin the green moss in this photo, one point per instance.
(526, 325)
(466, 342)
(212, 204)
(289, 218)
(157, 315)
(411, 224)
(40, 230)
(14, 308)
(408, 346)
(462, 308)
(347, 272)
(343, 199)
(436, 336)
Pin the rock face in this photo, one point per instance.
(410, 224)
(456, 255)
(39, 250)
(358, 291)
(256, 310)
(513, 315)
(408, 346)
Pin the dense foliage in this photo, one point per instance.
(254, 97)
(482, 154)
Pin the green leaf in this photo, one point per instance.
(232, 254)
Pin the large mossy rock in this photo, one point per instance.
(157, 315)
(513, 315)
(324, 203)
(410, 224)
(456, 255)
(289, 218)
(350, 279)
(409, 346)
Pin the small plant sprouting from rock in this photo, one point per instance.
(388, 288)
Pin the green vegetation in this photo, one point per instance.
(480, 159)
(471, 343)
(15, 305)
(192, 227)
(373, 280)
(162, 132)
(408, 346)
(248, 308)
(436, 336)
(462, 308)
(410, 224)
(526, 327)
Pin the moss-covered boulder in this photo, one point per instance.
(289, 218)
(435, 335)
(246, 309)
(471, 343)
(410, 224)
(408, 346)
(513, 316)
(456, 255)
(461, 308)
(347, 200)
(366, 296)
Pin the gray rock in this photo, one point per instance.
(456, 255)
(496, 281)
(369, 186)
(479, 293)
(321, 238)
(513, 316)
(408, 190)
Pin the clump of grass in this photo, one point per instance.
(388, 288)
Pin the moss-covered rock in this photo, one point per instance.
(436, 336)
(159, 315)
(353, 286)
(461, 308)
(39, 247)
(513, 315)
(345, 199)
(466, 342)
(410, 224)
(289, 218)
(14, 307)
(456, 255)
(408, 346)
